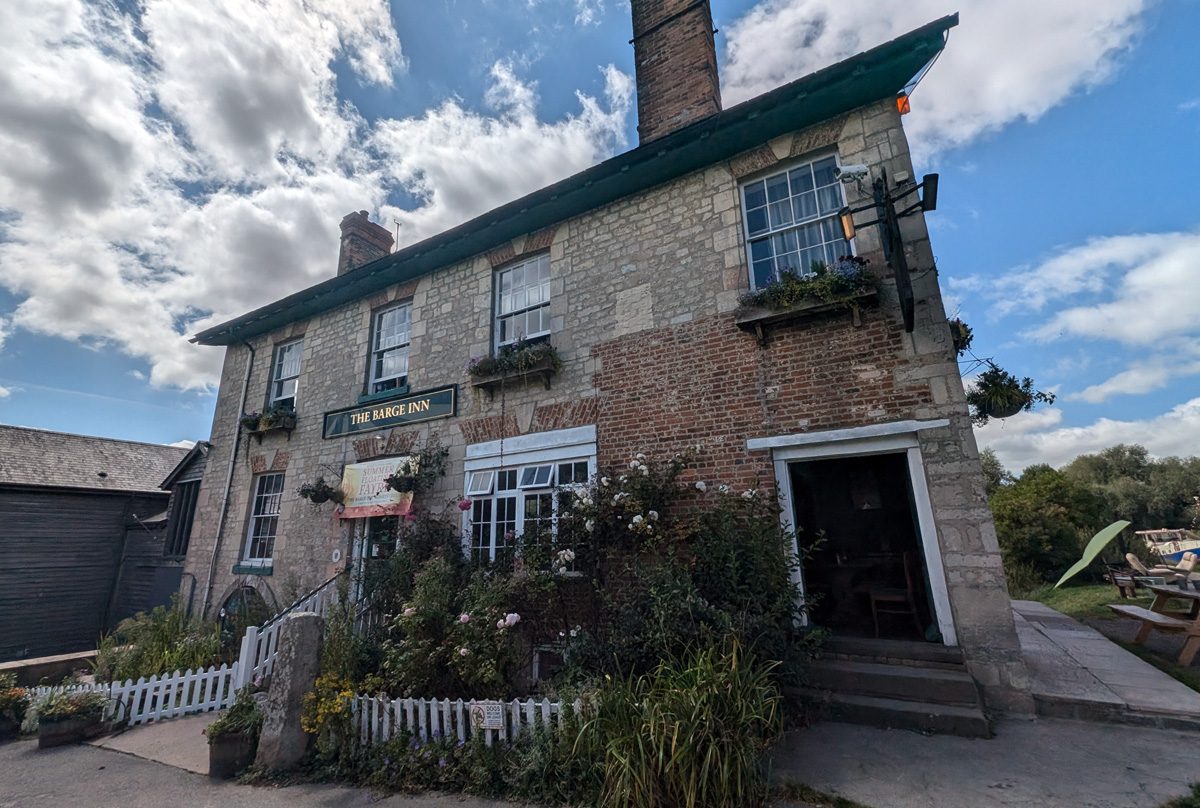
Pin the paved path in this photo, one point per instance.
(1075, 671)
(91, 777)
(177, 742)
(1044, 763)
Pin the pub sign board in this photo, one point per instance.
(414, 409)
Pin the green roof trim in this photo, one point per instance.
(860, 80)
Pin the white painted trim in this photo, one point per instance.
(558, 438)
(854, 433)
(888, 439)
(785, 521)
(931, 546)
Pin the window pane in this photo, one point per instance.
(763, 273)
(777, 188)
(801, 180)
(830, 199)
(823, 171)
(760, 249)
(804, 206)
(781, 214)
(481, 482)
(506, 480)
(756, 221)
(756, 195)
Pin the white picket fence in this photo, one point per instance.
(168, 696)
(379, 718)
(257, 657)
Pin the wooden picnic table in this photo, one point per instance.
(1158, 618)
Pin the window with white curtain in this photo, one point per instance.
(523, 300)
(285, 374)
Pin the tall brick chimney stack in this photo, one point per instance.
(363, 241)
(676, 61)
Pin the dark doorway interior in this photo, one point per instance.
(865, 572)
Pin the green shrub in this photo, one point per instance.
(691, 733)
(64, 705)
(163, 641)
(244, 717)
(13, 700)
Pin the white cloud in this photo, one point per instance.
(1037, 438)
(1006, 61)
(1188, 106)
(588, 12)
(5, 392)
(160, 174)
(1139, 378)
(183, 444)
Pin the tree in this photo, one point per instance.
(1149, 493)
(994, 474)
(1043, 520)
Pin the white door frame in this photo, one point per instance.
(891, 438)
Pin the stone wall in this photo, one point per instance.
(643, 293)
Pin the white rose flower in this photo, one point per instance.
(722, 489)
(700, 486)
(590, 525)
(653, 514)
(637, 520)
(645, 471)
(633, 464)
(603, 481)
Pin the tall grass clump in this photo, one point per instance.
(691, 733)
(161, 641)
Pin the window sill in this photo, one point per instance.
(757, 320)
(395, 392)
(542, 369)
(265, 570)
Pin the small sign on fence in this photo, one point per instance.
(487, 715)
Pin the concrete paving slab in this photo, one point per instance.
(1043, 763)
(178, 742)
(1076, 671)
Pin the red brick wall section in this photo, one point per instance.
(676, 63)
(258, 464)
(501, 255)
(492, 427)
(280, 463)
(565, 415)
(708, 383)
(363, 241)
(539, 240)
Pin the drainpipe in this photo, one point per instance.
(212, 563)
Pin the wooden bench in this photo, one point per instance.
(1152, 620)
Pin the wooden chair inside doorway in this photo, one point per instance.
(899, 601)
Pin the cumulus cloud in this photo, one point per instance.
(166, 168)
(1139, 378)
(1006, 61)
(5, 392)
(1038, 438)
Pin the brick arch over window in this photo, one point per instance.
(256, 582)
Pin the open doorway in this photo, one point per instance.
(865, 575)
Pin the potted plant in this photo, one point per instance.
(519, 361)
(421, 471)
(845, 285)
(69, 717)
(996, 393)
(249, 420)
(13, 703)
(233, 738)
(321, 492)
(277, 417)
(960, 335)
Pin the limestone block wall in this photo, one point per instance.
(643, 292)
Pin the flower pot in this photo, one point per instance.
(230, 754)
(1005, 409)
(65, 730)
(9, 728)
(318, 497)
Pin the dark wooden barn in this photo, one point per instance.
(83, 529)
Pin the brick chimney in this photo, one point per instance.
(676, 61)
(363, 241)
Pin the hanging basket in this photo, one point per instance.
(1004, 409)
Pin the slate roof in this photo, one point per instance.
(37, 457)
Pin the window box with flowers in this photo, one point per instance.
(515, 364)
(845, 285)
(272, 419)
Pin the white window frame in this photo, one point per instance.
(264, 506)
(277, 369)
(560, 447)
(373, 376)
(505, 309)
(794, 225)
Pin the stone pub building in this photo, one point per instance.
(633, 270)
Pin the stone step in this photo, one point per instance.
(895, 682)
(942, 719)
(870, 650)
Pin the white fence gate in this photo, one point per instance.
(168, 696)
(379, 718)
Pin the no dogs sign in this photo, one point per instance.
(487, 715)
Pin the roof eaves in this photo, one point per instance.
(854, 82)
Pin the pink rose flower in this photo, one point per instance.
(464, 505)
(462, 651)
(464, 618)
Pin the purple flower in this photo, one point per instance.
(441, 762)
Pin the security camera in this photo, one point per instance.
(850, 173)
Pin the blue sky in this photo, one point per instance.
(165, 166)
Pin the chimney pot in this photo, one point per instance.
(363, 241)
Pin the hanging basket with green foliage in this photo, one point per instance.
(960, 336)
(321, 492)
(996, 393)
(421, 471)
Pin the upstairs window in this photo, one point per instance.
(791, 220)
(285, 374)
(389, 349)
(264, 519)
(523, 300)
